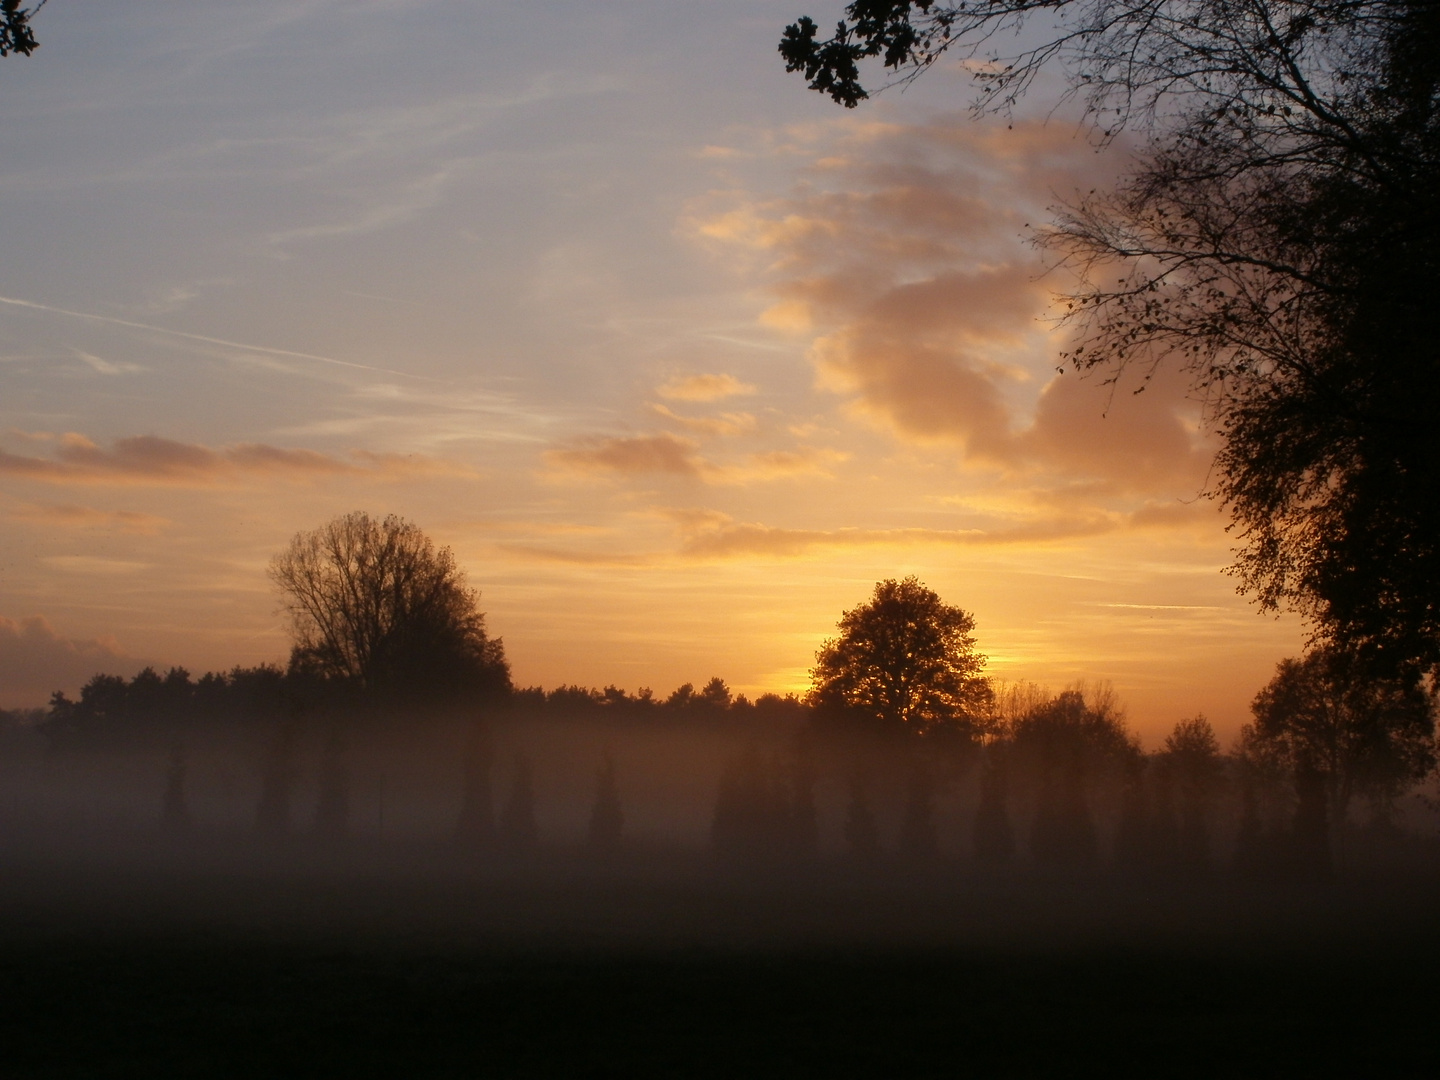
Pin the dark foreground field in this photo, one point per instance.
(161, 965)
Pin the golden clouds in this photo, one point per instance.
(703, 388)
(708, 534)
(149, 460)
(904, 252)
(725, 424)
(70, 516)
(662, 453)
(667, 454)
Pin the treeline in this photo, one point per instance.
(113, 706)
(1060, 781)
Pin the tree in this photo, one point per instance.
(1277, 238)
(1061, 744)
(607, 817)
(16, 36)
(374, 603)
(906, 660)
(1340, 732)
(1192, 757)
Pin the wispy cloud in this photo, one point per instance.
(152, 460)
(730, 423)
(630, 455)
(107, 367)
(703, 388)
(707, 534)
(203, 338)
(902, 255)
(71, 516)
(672, 455)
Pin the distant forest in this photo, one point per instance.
(902, 747)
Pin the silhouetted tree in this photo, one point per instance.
(1062, 744)
(174, 808)
(16, 35)
(1192, 756)
(518, 832)
(376, 604)
(714, 694)
(1133, 831)
(994, 835)
(752, 818)
(905, 660)
(1338, 728)
(607, 819)
(804, 819)
(1276, 240)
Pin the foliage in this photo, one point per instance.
(375, 603)
(1277, 239)
(16, 36)
(1328, 717)
(110, 705)
(905, 660)
(1073, 733)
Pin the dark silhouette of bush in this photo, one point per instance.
(518, 832)
(1062, 745)
(1192, 759)
(607, 818)
(994, 835)
(174, 809)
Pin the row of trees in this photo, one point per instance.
(169, 704)
(384, 622)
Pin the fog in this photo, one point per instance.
(737, 829)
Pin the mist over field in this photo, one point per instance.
(1027, 407)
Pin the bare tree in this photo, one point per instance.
(375, 603)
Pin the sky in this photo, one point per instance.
(677, 356)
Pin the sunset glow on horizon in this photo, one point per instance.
(677, 357)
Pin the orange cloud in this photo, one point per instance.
(704, 388)
(663, 453)
(729, 423)
(707, 534)
(904, 251)
(88, 517)
(668, 454)
(152, 460)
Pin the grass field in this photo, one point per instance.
(276, 970)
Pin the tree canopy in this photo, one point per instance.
(16, 34)
(905, 659)
(1327, 717)
(375, 603)
(1277, 238)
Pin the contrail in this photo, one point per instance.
(211, 340)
